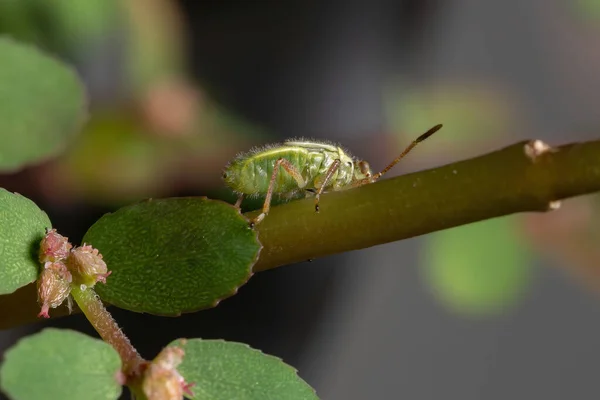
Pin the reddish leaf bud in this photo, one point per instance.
(53, 287)
(161, 378)
(54, 247)
(87, 266)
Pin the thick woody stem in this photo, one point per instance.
(527, 176)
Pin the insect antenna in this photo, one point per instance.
(407, 150)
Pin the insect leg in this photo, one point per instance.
(238, 203)
(293, 171)
(290, 169)
(328, 175)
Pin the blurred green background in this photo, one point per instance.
(178, 88)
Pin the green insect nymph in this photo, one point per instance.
(299, 165)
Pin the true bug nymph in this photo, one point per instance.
(294, 166)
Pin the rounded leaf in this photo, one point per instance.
(61, 364)
(42, 105)
(176, 255)
(478, 268)
(222, 370)
(23, 226)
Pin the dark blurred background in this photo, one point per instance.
(503, 308)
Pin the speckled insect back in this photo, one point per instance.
(301, 165)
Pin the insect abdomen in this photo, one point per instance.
(255, 171)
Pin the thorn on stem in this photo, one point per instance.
(536, 148)
(554, 205)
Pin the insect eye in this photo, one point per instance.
(225, 175)
(364, 168)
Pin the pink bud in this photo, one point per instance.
(87, 266)
(54, 247)
(53, 287)
(161, 378)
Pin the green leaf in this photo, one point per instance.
(42, 105)
(478, 268)
(61, 364)
(16, 18)
(75, 22)
(223, 370)
(587, 9)
(175, 255)
(23, 226)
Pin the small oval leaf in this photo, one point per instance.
(176, 255)
(23, 226)
(223, 370)
(42, 105)
(478, 268)
(61, 364)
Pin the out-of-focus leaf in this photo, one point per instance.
(478, 268)
(61, 364)
(118, 160)
(225, 370)
(587, 9)
(23, 226)
(175, 255)
(114, 161)
(76, 21)
(473, 115)
(17, 20)
(42, 105)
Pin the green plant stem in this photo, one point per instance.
(91, 305)
(510, 180)
(500, 183)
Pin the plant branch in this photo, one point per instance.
(527, 176)
(520, 178)
(91, 305)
